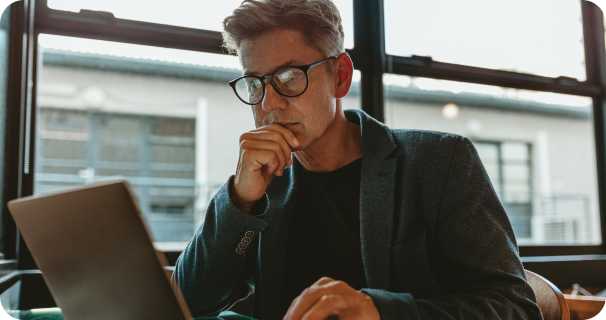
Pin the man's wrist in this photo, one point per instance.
(236, 200)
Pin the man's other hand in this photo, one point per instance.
(328, 298)
(264, 152)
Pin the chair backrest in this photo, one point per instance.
(550, 299)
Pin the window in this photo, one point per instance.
(537, 148)
(164, 120)
(508, 165)
(543, 37)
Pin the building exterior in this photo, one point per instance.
(172, 131)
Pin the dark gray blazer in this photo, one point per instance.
(436, 242)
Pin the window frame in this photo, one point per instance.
(33, 17)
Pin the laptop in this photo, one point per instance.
(96, 255)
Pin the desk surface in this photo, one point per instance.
(55, 314)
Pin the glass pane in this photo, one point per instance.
(165, 120)
(152, 116)
(543, 37)
(489, 153)
(4, 43)
(352, 100)
(538, 150)
(199, 14)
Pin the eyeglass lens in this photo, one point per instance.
(290, 82)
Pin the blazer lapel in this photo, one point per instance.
(376, 220)
(377, 200)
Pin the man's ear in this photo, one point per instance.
(344, 75)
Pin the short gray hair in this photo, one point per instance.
(318, 20)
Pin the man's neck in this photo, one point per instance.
(340, 145)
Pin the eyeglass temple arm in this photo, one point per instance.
(317, 63)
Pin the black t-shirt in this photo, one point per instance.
(324, 233)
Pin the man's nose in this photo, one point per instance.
(272, 100)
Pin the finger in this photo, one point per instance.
(267, 145)
(311, 295)
(288, 136)
(291, 308)
(323, 281)
(329, 305)
(270, 136)
(260, 158)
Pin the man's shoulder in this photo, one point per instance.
(423, 143)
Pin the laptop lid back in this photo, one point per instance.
(96, 255)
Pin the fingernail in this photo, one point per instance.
(295, 142)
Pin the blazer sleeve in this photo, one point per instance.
(211, 273)
(476, 261)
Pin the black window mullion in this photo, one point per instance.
(25, 260)
(426, 67)
(595, 63)
(369, 54)
(13, 172)
(20, 120)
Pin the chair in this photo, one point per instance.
(550, 299)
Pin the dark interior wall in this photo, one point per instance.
(4, 52)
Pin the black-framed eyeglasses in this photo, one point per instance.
(288, 81)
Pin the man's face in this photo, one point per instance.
(306, 116)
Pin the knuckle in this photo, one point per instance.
(327, 298)
(276, 146)
(309, 291)
(244, 136)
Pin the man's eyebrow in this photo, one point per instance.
(286, 64)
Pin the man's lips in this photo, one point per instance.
(286, 125)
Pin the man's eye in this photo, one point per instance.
(287, 76)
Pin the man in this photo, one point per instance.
(364, 222)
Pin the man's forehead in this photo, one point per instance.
(266, 69)
(274, 49)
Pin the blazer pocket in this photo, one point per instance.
(411, 271)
